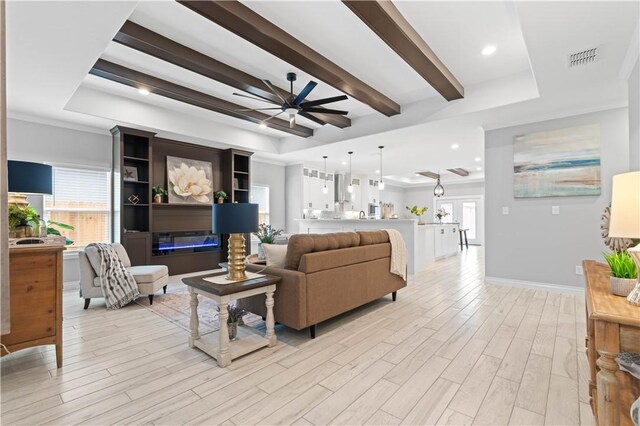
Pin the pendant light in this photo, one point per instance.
(350, 186)
(325, 190)
(438, 191)
(381, 183)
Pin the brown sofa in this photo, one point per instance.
(327, 275)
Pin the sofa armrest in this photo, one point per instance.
(87, 274)
(290, 297)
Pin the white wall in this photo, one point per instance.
(530, 244)
(395, 195)
(271, 175)
(293, 197)
(634, 117)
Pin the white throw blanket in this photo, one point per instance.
(398, 253)
(118, 285)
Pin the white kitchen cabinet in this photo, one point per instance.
(446, 240)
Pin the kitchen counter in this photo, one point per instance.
(425, 243)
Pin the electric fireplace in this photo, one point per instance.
(178, 242)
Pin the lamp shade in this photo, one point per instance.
(625, 206)
(29, 178)
(235, 218)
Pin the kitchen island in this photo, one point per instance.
(425, 243)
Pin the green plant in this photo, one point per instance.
(22, 216)
(418, 211)
(235, 313)
(267, 234)
(159, 190)
(54, 231)
(621, 264)
(220, 194)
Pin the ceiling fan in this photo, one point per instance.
(293, 104)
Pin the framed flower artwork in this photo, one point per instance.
(189, 181)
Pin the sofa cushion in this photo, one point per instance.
(148, 273)
(320, 261)
(301, 244)
(373, 237)
(275, 254)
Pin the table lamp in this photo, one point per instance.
(625, 219)
(24, 177)
(235, 219)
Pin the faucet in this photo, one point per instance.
(362, 215)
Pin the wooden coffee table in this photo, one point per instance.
(217, 344)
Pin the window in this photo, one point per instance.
(260, 196)
(81, 198)
(469, 218)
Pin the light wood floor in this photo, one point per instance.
(451, 350)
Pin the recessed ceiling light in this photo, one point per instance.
(455, 146)
(477, 159)
(479, 169)
(344, 163)
(489, 50)
(263, 126)
(143, 91)
(377, 171)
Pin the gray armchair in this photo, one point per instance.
(150, 278)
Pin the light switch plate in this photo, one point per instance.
(555, 209)
(579, 270)
(505, 211)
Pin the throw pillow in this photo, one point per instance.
(275, 254)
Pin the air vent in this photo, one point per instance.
(581, 58)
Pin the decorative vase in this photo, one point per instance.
(261, 255)
(157, 198)
(233, 330)
(220, 200)
(622, 286)
(420, 222)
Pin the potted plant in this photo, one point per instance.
(53, 231)
(158, 193)
(418, 211)
(22, 220)
(267, 235)
(440, 213)
(220, 195)
(235, 317)
(624, 273)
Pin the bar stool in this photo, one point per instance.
(466, 242)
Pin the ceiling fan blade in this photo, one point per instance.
(305, 92)
(323, 101)
(254, 98)
(311, 117)
(326, 111)
(258, 109)
(275, 92)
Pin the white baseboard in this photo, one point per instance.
(556, 288)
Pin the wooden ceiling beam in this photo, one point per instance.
(133, 78)
(429, 175)
(144, 40)
(244, 22)
(459, 172)
(388, 23)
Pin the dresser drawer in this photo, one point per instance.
(33, 298)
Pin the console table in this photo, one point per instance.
(35, 283)
(613, 326)
(248, 341)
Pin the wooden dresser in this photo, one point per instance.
(613, 326)
(35, 277)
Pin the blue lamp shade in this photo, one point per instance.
(235, 218)
(30, 178)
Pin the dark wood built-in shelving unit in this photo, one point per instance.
(136, 225)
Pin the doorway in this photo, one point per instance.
(468, 211)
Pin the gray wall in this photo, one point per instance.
(271, 175)
(634, 117)
(395, 195)
(293, 197)
(530, 244)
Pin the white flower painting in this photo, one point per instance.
(190, 181)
